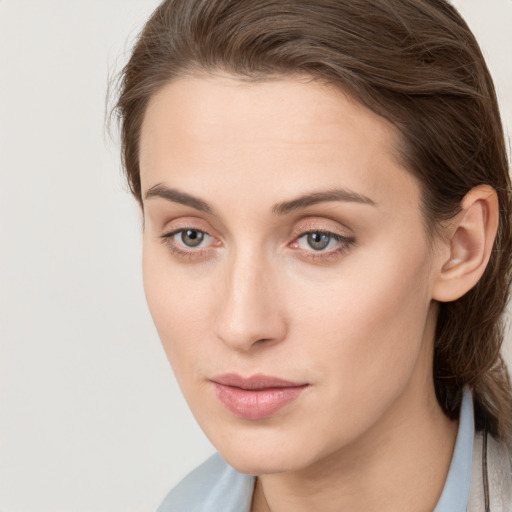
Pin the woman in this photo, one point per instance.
(327, 250)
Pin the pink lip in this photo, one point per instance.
(256, 397)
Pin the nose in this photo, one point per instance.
(250, 311)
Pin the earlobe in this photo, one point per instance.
(470, 239)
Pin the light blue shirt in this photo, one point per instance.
(217, 487)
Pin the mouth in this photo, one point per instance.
(256, 397)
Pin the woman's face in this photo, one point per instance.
(286, 267)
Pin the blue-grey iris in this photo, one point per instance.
(318, 241)
(192, 237)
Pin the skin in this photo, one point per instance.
(355, 321)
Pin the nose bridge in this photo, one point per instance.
(249, 310)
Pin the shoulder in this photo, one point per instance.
(214, 486)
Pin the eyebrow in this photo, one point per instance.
(176, 196)
(321, 197)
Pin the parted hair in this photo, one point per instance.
(415, 63)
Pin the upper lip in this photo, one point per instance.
(254, 382)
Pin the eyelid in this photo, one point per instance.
(182, 251)
(186, 222)
(172, 226)
(342, 248)
(330, 234)
(342, 239)
(343, 236)
(173, 233)
(321, 225)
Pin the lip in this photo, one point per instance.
(255, 397)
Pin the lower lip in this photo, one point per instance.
(256, 404)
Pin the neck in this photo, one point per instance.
(401, 464)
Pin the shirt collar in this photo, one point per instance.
(455, 495)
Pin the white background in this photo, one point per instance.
(91, 418)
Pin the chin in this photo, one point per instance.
(265, 454)
(261, 463)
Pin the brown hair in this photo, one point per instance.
(414, 62)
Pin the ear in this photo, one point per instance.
(469, 242)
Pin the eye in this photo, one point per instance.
(317, 241)
(189, 242)
(322, 246)
(322, 241)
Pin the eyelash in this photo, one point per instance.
(344, 245)
(190, 255)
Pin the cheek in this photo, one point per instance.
(178, 306)
(369, 321)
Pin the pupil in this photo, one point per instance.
(192, 237)
(318, 241)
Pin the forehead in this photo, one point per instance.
(263, 136)
(298, 111)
